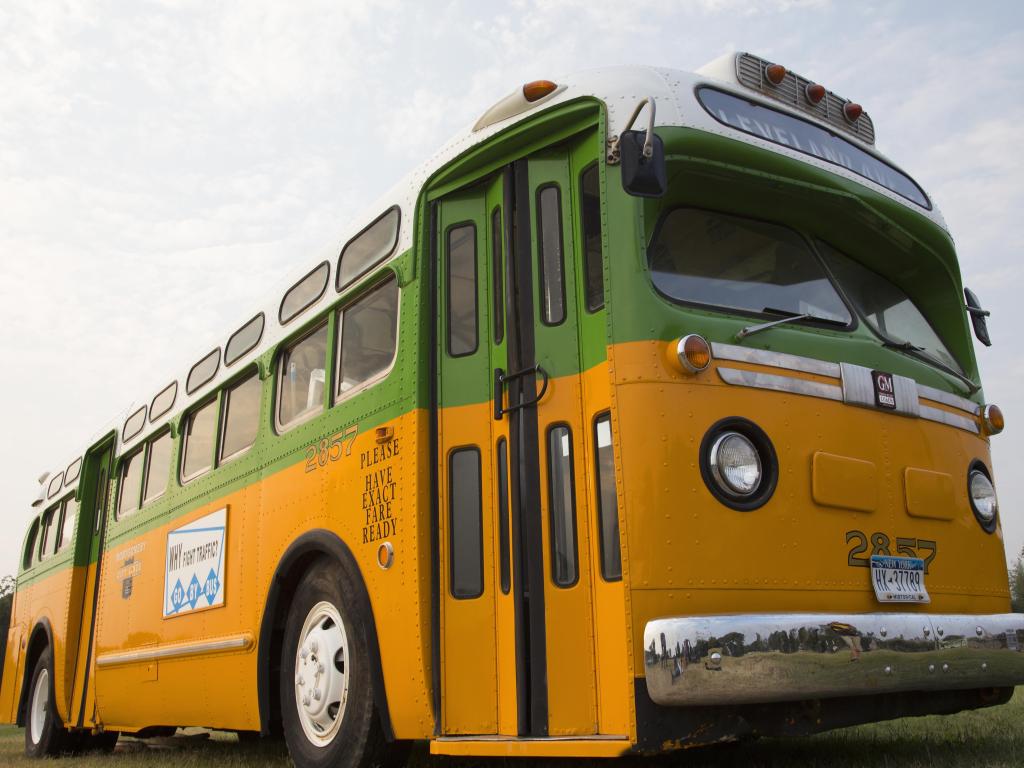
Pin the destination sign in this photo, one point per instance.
(788, 131)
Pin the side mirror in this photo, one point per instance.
(643, 176)
(642, 155)
(978, 316)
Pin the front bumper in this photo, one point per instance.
(762, 658)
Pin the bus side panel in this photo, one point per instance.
(10, 684)
(369, 494)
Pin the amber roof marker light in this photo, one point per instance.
(852, 110)
(536, 90)
(814, 92)
(775, 74)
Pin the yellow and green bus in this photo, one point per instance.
(644, 415)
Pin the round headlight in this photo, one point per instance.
(983, 498)
(735, 464)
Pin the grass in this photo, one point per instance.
(991, 737)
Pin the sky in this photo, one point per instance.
(164, 165)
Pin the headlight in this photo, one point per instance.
(735, 464)
(983, 496)
(738, 463)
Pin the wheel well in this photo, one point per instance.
(40, 640)
(310, 548)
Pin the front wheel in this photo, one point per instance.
(326, 684)
(44, 735)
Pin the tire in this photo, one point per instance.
(44, 731)
(327, 694)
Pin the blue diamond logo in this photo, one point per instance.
(195, 589)
(177, 596)
(211, 587)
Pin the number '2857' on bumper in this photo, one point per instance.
(762, 658)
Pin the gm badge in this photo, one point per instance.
(885, 394)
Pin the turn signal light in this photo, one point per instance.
(993, 416)
(694, 353)
(814, 92)
(538, 89)
(852, 111)
(775, 74)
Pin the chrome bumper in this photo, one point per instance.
(759, 658)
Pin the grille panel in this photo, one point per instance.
(750, 73)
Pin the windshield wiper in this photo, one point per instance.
(904, 346)
(790, 317)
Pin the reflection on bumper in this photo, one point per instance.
(758, 658)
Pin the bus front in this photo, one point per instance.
(812, 536)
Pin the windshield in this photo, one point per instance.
(727, 261)
(886, 308)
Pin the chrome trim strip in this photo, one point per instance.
(764, 658)
(951, 419)
(859, 389)
(788, 384)
(774, 359)
(953, 401)
(239, 642)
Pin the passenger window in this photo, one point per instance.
(163, 401)
(45, 542)
(304, 293)
(301, 377)
(607, 500)
(549, 229)
(462, 326)
(55, 485)
(369, 330)
(67, 526)
(203, 371)
(241, 417)
(131, 484)
(369, 248)
(590, 210)
(199, 436)
(244, 339)
(30, 545)
(158, 467)
(562, 500)
(465, 524)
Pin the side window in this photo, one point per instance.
(158, 467)
(607, 501)
(368, 330)
(67, 525)
(131, 484)
(199, 436)
(304, 293)
(562, 501)
(369, 248)
(46, 541)
(590, 215)
(30, 545)
(241, 417)
(465, 524)
(549, 237)
(300, 379)
(461, 272)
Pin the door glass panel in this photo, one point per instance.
(562, 499)
(462, 324)
(607, 501)
(549, 226)
(465, 524)
(503, 536)
(498, 282)
(590, 208)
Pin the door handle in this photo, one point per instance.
(500, 377)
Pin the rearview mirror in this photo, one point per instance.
(978, 316)
(642, 176)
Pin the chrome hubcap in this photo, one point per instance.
(40, 701)
(321, 674)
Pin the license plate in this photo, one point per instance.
(898, 579)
